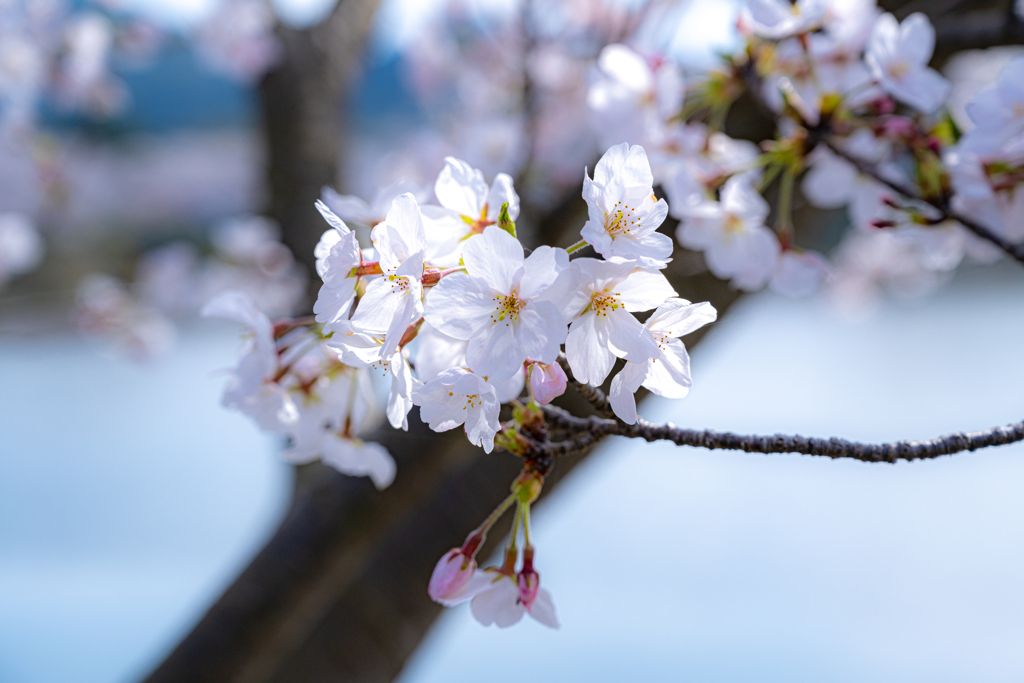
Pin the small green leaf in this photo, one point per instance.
(505, 221)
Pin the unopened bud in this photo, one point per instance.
(547, 381)
(451, 574)
(505, 221)
(529, 585)
(879, 223)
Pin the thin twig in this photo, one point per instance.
(592, 429)
(868, 169)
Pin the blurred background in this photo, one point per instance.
(154, 153)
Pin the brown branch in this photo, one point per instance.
(592, 429)
(1014, 250)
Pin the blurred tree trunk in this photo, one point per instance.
(339, 592)
(302, 100)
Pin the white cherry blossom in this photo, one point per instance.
(799, 273)
(777, 19)
(337, 255)
(393, 300)
(468, 205)
(600, 297)
(624, 214)
(668, 373)
(898, 56)
(736, 243)
(631, 99)
(459, 397)
(496, 306)
(498, 602)
(357, 210)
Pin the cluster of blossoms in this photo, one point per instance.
(173, 281)
(448, 310)
(450, 313)
(839, 71)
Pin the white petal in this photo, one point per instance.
(624, 386)
(543, 609)
(678, 317)
(586, 347)
(627, 338)
(669, 374)
(461, 188)
(460, 306)
(495, 351)
(644, 290)
(499, 605)
(501, 192)
(496, 257)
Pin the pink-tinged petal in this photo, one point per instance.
(494, 350)
(451, 575)
(586, 347)
(541, 330)
(627, 337)
(543, 609)
(644, 290)
(461, 188)
(678, 317)
(498, 605)
(547, 382)
(624, 386)
(459, 306)
(669, 374)
(495, 257)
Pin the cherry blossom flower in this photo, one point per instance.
(736, 243)
(599, 297)
(337, 254)
(495, 305)
(631, 99)
(799, 273)
(777, 19)
(624, 214)
(393, 300)
(832, 182)
(459, 397)
(667, 373)
(547, 381)
(898, 56)
(357, 210)
(499, 602)
(691, 178)
(468, 206)
(451, 577)
(998, 110)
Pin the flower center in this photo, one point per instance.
(898, 70)
(621, 220)
(507, 308)
(732, 224)
(472, 401)
(604, 302)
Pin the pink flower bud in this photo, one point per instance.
(452, 573)
(547, 381)
(529, 585)
(900, 127)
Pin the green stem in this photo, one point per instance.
(576, 247)
(526, 525)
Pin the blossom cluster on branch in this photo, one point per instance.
(447, 310)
